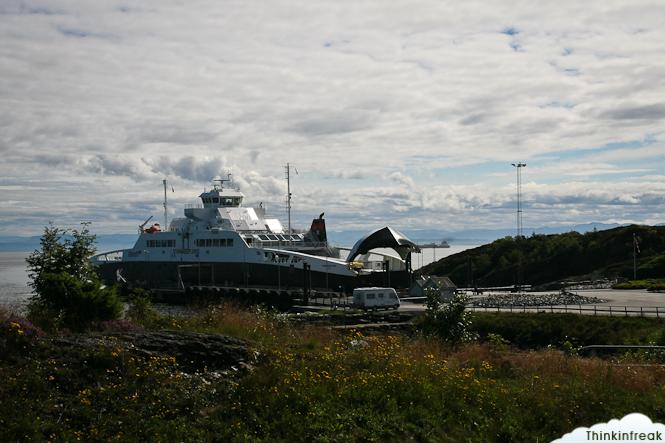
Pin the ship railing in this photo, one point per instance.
(282, 244)
(110, 256)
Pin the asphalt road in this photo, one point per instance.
(618, 303)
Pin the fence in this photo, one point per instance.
(611, 310)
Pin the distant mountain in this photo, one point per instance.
(347, 238)
(105, 242)
(547, 258)
(468, 236)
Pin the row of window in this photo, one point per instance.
(161, 243)
(224, 201)
(214, 242)
(284, 237)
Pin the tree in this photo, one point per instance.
(67, 290)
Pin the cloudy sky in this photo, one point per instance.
(406, 113)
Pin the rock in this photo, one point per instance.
(201, 352)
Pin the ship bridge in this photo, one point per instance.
(218, 197)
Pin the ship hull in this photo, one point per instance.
(178, 275)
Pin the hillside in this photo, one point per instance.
(549, 258)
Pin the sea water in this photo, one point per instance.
(14, 289)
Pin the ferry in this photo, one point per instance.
(220, 242)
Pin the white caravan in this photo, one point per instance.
(375, 298)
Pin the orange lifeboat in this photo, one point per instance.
(154, 228)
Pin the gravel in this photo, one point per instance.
(527, 299)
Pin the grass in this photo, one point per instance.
(648, 284)
(314, 384)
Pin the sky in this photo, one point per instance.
(400, 113)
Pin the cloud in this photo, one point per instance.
(644, 112)
(632, 427)
(188, 167)
(445, 95)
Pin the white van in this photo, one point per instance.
(375, 298)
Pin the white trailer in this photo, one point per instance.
(375, 298)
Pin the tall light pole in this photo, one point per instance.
(518, 166)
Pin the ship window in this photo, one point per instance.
(229, 242)
(228, 201)
(215, 242)
(208, 242)
(380, 294)
(370, 296)
(263, 237)
(272, 237)
(222, 242)
(215, 200)
(281, 237)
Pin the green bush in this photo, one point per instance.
(67, 290)
(450, 322)
(73, 303)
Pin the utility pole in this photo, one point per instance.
(636, 250)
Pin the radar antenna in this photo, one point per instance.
(221, 181)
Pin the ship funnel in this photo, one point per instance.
(318, 229)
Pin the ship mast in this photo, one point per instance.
(287, 169)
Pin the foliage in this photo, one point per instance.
(648, 284)
(450, 322)
(17, 335)
(549, 258)
(140, 309)
(67, 290)
(316, 385)
(534, 331)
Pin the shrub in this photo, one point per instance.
(67, 290)
(16, 334)
(450, 322)
(75, 303)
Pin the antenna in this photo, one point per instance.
(166, 217)
(287, 171)
(221, 181)
(519, 167)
